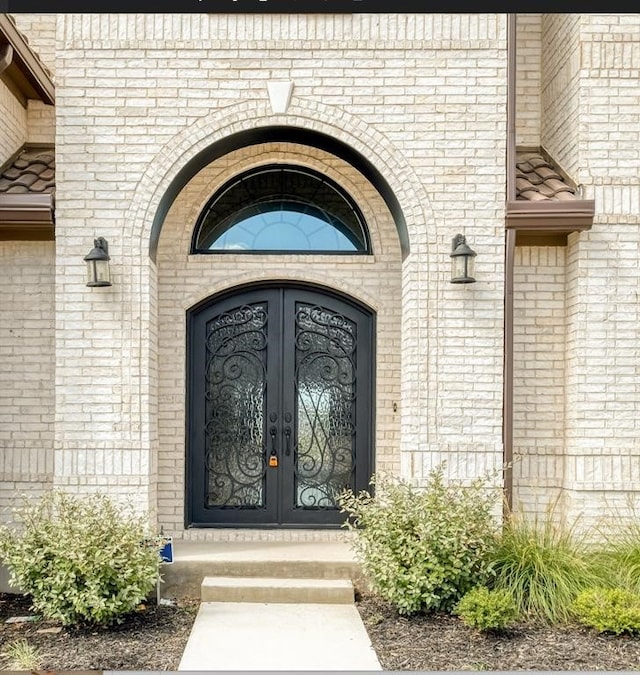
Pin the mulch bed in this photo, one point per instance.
(154, 639)
(443, 642)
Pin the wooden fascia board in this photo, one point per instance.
(551, 216)
(6, 56)
(29, 233)
(18, 210)
(26, 72)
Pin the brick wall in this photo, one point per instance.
(528, 79)
(602, 469)
(27, 365)
(40, 30)
(419, 96)
(609, 138)
(561, 92)
(14, 124)
(539, 378)
(41, 123)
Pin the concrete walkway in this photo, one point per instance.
(271, 605)
(278, 636)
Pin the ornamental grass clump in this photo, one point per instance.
(619, 555)
(544, 566)
(81, 559)
(423, 548)
(22, 656)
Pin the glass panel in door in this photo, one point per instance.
(325, 383)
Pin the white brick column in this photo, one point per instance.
(602, 475)
(104, 347)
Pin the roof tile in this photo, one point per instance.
(538, 179)
(33, 171)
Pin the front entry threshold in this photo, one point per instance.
(269, 527)
(195, 560)
(279, 533)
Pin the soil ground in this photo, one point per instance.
(154, 638)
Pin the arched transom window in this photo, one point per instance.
(281, 208)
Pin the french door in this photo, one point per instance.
(280, 407)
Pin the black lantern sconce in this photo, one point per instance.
(97, 260)
(462, 261)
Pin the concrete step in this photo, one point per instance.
(277, 590)
(292, 560)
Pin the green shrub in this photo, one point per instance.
(487, 609)
(543, 566)
(80, 558)
(423, 548)
(609, 610)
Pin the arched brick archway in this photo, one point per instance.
(335, 133)
(251, 122)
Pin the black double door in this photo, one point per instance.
(280, 407)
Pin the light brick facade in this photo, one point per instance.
(539, 389)
(41, 123)
(528, 82)
(422, 99)
(27, 370)
(14, 121)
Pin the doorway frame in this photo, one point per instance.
(369, 392)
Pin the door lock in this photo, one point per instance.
(273, 457)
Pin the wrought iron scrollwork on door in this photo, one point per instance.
(235, 386)
(280, 407)
(325, 380)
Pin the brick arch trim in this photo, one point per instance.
(310, 280)
(250, 123)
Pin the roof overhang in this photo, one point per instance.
(20, 68)
(26, 217)
(548, 222)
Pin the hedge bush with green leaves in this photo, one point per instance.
(423, 548)
(609, 610)
(487, 609)
(81, 559)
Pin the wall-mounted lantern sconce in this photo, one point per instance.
(98, 264)
(462, 261)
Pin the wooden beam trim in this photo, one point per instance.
(27, 61)
(26, 209)
(551, 216)
(6, 57)
(35, 233)
(524, 238)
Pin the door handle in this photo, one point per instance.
(287, 436)
(273, 456)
